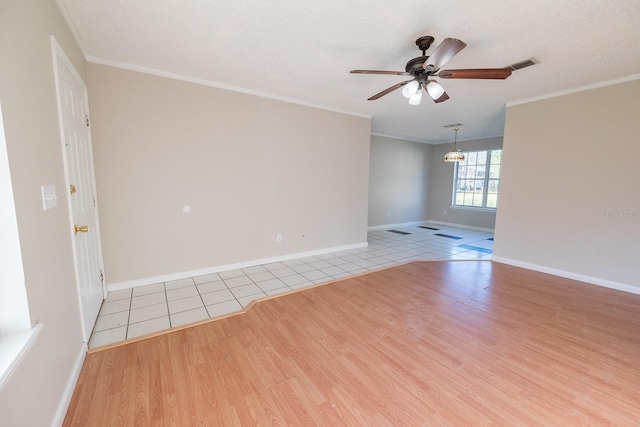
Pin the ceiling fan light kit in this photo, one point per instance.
(434, 89)
(410, 89)
(424, 68)
(416, 98)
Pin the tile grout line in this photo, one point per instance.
(234, 295)
(166, 301)
(193, 282)
(126, 333)
(206, 310)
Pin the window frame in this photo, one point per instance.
(485, 181)
(17, 334)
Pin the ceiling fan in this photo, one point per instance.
(424, 68)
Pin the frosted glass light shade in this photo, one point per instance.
(410, 89)
(454, 156)
(416, 98)
(435, 90)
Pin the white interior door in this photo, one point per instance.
(80, 179)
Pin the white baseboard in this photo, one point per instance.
(466, 227)
(200, 272)
(402, 224)
(569, 275)
(65, 399)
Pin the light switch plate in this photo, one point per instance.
(49, 198)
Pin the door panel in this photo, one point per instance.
(78, 156)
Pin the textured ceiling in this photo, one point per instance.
(303, 50)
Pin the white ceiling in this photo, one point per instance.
(303, 50)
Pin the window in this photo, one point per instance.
(16, 334)
(476, 179)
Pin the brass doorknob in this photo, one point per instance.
(81, 228)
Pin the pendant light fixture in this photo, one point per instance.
(456, 155)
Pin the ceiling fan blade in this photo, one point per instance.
(476, 73)
(442, 98)
(395, 73)
(447, 50)
(389, 90)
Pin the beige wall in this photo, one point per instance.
(569, 197)
(27, 93)
(441, 187)
(248, 167)
(398, 180)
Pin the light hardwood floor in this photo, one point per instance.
(427, 343)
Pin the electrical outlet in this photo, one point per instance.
(279, 237)
(388, 214)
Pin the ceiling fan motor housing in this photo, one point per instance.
(414, 66)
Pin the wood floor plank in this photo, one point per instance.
(426, 343)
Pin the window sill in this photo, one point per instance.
(13, 348)
(473, 208)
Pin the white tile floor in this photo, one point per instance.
(130, 313)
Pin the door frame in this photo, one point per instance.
(59, 54)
